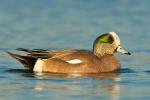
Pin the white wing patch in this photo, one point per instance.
(74, 61)
(38, 65)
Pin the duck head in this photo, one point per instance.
(108, 44)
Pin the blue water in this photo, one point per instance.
(57, 24)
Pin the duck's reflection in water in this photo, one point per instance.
(80, 84)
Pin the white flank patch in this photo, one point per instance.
(74, 61)
(38, 65)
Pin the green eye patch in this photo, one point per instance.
(105, 38)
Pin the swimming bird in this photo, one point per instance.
(101, 59)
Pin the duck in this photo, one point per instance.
(100, 59)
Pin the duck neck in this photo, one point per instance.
(103, 49)
(97, 50)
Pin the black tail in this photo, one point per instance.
(33, 50)
(27, 61)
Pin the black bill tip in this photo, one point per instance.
(128, 53)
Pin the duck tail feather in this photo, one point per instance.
(23, 49)
(27, 61)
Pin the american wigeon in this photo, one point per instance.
(101, 59)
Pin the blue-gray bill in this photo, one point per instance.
(121, 50)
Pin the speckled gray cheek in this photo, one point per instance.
(104, 48)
